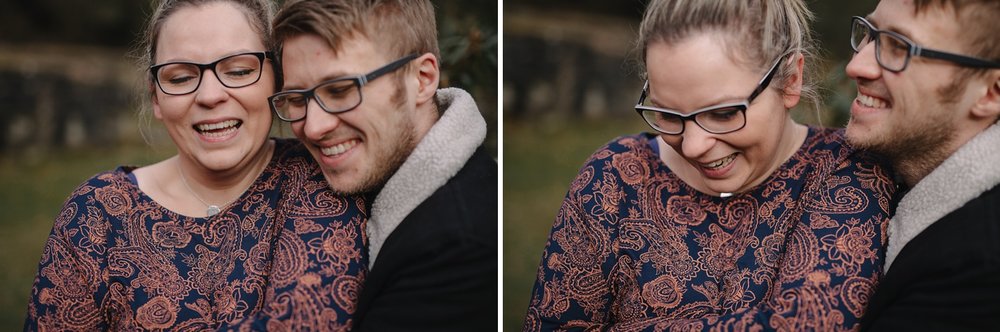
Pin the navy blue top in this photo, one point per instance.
(288, 251)
(636, 248)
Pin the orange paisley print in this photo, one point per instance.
(635, 248)
(685, 210)
(156, 314)
(633, 169)
(662, 293)
(170, 234)
(117, 260)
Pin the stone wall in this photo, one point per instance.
(65, 96)
(565, 64)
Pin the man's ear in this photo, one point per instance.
(428, 77)
(988, 105)
(792, 91)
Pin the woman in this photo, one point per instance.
(732, 216)
(197, 240)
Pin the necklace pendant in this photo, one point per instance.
(213, 210)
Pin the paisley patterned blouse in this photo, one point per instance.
(288, 252)
(635, 248)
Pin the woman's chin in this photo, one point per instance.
(724, 187)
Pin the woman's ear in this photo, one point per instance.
(156, 102)
(792, 91)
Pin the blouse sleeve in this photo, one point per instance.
(832, 261)
(572, 289)
(69, 285)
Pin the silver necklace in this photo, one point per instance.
(212, 208)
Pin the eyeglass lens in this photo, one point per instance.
(719, 120)
(891, 52)
(234, 72)
(334, 96)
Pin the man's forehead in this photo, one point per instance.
(933, 25)
(310, 60)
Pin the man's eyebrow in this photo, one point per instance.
(900, 30)
(328, 77)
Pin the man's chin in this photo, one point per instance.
(860, 136)
(352, 184)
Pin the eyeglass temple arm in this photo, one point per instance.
(642, 95)
(766, 81)
(388, 68)
(959, 59)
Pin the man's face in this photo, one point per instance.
(904, 114)
(357, 150)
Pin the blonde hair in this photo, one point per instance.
(756, 32)
(258, 14)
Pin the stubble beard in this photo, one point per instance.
(914, 148)
(386, 162)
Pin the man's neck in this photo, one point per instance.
(914, 167)
(427, 115)
(912, 170)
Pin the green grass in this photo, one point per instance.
(33, 187)
(540, 160)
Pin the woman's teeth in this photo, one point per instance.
(218, 129)
(721, 162)
(339, 148)
(869, 101)
(216, 126)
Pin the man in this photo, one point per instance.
(928, 100)
(361, 92)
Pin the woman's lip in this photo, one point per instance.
(216, 120)
(718, 173)
(216, 136)
(219, 137)
(722, 160)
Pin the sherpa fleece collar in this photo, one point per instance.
(437, 158)
(966, 174)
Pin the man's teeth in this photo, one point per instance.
(869, 101)
(339, 148)
(721, 162)
(216, 126)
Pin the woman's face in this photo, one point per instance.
(215, 127)
(698, 73)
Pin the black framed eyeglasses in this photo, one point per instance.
(717, 119)
(893, 51)
(338, 95)
(234, 71)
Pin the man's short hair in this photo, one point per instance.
(976, 19)
(397, 27)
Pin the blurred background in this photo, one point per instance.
(69, 98)
(569, 85)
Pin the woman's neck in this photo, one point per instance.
(182, 186)
(211, 182)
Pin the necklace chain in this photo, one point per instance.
(212, 208)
